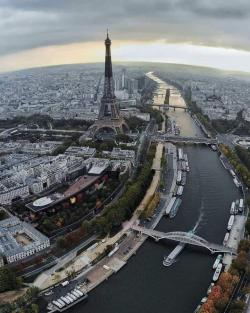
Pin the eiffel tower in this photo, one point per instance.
(109, 122)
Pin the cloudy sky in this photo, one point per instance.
(202, 32)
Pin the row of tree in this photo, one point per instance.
(114, 214)
(244, 155)
(222, 291)
(239, 167)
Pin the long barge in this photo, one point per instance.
(170, 259)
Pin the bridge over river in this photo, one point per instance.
(187, 238)
(168, 106)
(181, 139)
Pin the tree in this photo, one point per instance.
(8, 279)
(215, 294)
(221, 303)
(225, 282)
(208, 307)
(237, 306)
(34, 308)
(244, 245)
(247, 226)
(86, 225)
(61, 243)
(241, 261)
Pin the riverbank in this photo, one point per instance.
(127, 240)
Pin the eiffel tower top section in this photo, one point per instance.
(108, 84)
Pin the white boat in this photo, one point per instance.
(72, 296)
(236, 182)
(197, 309)
(241, 205)
(210, 288)
(179, 190)
(217, 261)
(180, 154)
(170, 259)
(170, 205)
(226, 239)
(76, 294)
(79, 292)
(232, 173)
(65, 299)
(61, 302)
(183, 166)
(217, 272)
(69, 298)
(213, 147)
(57, 304)
(230, 222)
(232, 210)
(179, 176)
(203, 300)
(175, 208)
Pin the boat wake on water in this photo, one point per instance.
(201, 219)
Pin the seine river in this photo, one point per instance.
(144, 285)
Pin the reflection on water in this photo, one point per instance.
(182, 118)
(175, 95)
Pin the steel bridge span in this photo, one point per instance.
(180, 139)
(168, 106)
(187, 238)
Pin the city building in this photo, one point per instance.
(19, 240)
(11, 190)
(98, 172)
(36, 175)
(81, 151)
(41, 148)
(109, 122)
(120, 154)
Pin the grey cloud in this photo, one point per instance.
(26, 24)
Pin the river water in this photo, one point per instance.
(144, 285)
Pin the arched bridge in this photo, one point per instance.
(187, 238)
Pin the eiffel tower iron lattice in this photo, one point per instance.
(109, 122)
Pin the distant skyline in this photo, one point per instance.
(197, 32)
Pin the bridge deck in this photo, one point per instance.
(188, 238)
(198, 140)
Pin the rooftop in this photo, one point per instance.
(17, 236)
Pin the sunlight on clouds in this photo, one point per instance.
(157, 51)
(229, 59)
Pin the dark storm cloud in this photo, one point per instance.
(26, 24)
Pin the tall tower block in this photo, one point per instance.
(109, 122)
